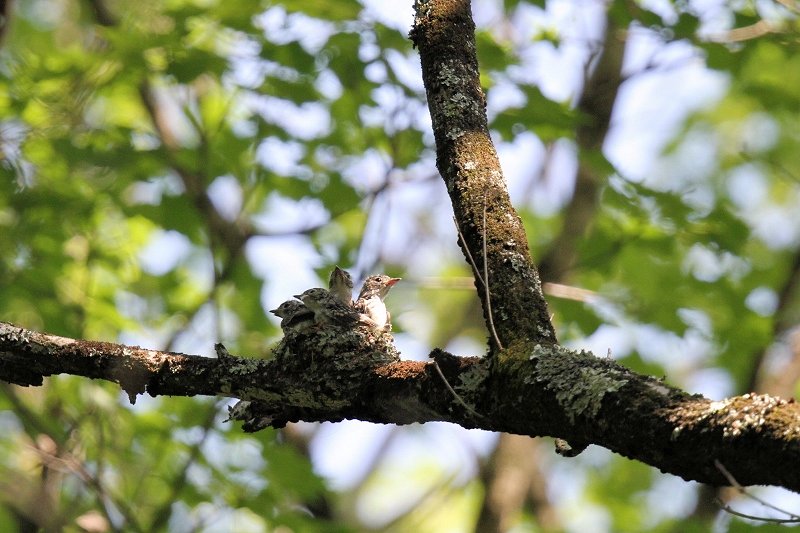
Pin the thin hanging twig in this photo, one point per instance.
(486, 281)
(458, 398)
(469, 255)
(735, 484)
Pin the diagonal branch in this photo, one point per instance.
(467, 160)
(513, 478)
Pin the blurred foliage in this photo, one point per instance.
(133, 134)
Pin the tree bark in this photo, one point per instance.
(513, 306)
(553, 391)
(514, 479)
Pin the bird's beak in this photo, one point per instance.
(273, 311)
(392, 281)
(298, 296)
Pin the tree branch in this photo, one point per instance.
(466, 158)
(514, 479)
(230, 236)
(550, 392)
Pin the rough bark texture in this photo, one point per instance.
(466, 158)
(551, 391)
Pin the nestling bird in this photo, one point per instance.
(327, 308)
(295, 315)
(340, 285)
(370, 300)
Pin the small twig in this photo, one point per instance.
(486, 280)
(791, 5)
(71, 463)
(469, 254)
(458, 398)
(735, 484)
(728, 509)
(746, 33)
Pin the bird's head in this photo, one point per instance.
(377, 285)
(340, 277)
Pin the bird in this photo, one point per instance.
(294, 315)
(340, 285)
(328, 310)
(370, 300)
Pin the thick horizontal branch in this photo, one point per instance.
(550, 391)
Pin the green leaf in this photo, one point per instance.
(548, 119)
(336, 11)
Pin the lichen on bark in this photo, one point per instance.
(514, 305)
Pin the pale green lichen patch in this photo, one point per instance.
(470, 381)
(473, 377)
(587, 394)
(580, 387)
(245, 366)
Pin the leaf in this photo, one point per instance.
(340, 10)
(548, 119)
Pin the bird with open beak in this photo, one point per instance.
(340, 285)
(370, 300)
